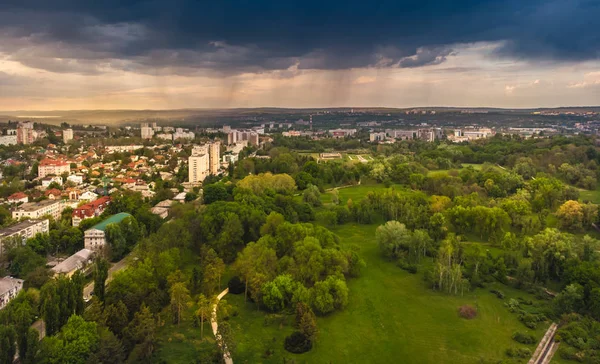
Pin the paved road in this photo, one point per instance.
(120, 265)
(215, 326)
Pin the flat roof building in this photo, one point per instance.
(35, 210)
(25, 230)
(9, 289)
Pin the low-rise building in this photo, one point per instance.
(47, 181)
(8, 139)
(377, 137)
(35, 210)
(94, 237)
(52, 167)
(90, 209)
(9, 288)
(78, 261)
(18, 197)
(75, 178)
(88, 196)
(24, 230)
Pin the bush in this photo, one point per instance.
(467, 311)
(530, 320)
(297, 343)
(236, 286)
(498, 293)
(518, 353)
(409, 267)
(523, 338)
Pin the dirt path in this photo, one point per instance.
(215, 326)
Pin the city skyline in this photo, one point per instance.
(127, 55)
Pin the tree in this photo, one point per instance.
(141, 330)
(214, 192)
(391, 237)
(117, 317)
(74, 343)
(224, 338)
(312, 195)
(306, 321)
(180, 297)
(100, 276)
(570, 299)
(110, 349)
(214, 267)
(28, 349)
(8, 344)
(116, 240)
(255, 259)
(49, 308)
(204, 309)
(570, 215)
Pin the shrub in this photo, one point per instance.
(530, 320)
(523, 338)
(498, 293)
(512, 305)
(518, 353)
(467, 311)
(409, 267)
(236, 286)
(297, 343)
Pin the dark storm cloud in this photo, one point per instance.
(182, 36)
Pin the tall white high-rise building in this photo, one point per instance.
(67, 135)
(147, 131)
(205, 160)
(215, 157)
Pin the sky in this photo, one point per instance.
(120, 54)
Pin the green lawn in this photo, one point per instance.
(357, 193)
(392, 317)
(592, 196)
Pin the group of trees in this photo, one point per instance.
(296, 263)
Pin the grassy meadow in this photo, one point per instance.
(392, 316)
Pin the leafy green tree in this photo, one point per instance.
(312, 195)
(255, 259)
(391, 237)
(110, 349)
(100, 276)
(204, 310)
(8, 344)
(142, 332)
(306, 321)
(117, 317)
(75, 342)
(180, 297)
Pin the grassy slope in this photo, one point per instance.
(392, 317)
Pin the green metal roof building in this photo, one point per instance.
(94, 238)
(114, 219)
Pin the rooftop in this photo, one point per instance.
(73, 262)
(18, 227)
(8, 283)
(114, 219)
(32, 206)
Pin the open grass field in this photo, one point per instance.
(592, 196)
(392, 317)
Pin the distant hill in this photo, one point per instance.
(198, 116)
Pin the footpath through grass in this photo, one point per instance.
(392, 317)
